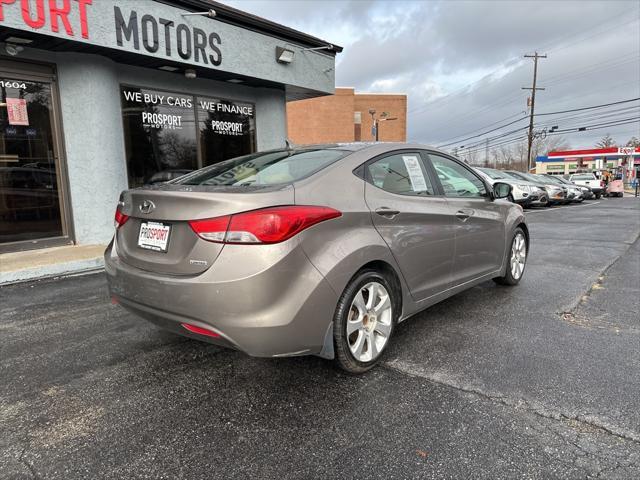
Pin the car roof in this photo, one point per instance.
(359, 146)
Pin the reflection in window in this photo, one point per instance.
(456, 180)
(227, 129)
(160, 135)
(402, 174)
(29, 201)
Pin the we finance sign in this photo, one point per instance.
(132, 26)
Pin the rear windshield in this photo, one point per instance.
(266, 168)
(583, 177)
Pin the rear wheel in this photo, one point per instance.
(598, 195)
(364, 322)
(517, 260)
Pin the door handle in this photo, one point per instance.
(464, 214)
(386, 212)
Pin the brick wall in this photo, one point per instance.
(331, 118)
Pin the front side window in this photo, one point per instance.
(268, 168)
(402, 174)
(456, 180)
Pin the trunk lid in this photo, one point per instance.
(172, 206)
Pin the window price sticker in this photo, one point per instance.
(418, 183)
(17, 110)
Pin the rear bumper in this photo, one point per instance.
(265, 310)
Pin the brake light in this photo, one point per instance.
(268, 225)
(120, 218)
(211, 229)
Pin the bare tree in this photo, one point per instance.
(606, 142)
(633, 142)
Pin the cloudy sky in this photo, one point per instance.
(461, 62)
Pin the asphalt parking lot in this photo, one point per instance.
(537, 381)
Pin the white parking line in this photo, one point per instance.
(561, 207)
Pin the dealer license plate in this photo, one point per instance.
(154, 236)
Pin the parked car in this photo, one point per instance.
(523, 192)
(558, 194)
(588, 180)
(587, 194)
(577, 191)
(317, 250)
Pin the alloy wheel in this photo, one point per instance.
(518, 255)
(369, 322)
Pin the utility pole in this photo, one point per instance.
(486, 152)
(533, 89)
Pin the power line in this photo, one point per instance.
(546, 46)
(589, 108)
(483, 133)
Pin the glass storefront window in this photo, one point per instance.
(160, 135)
(161, 138)
(227, 129)
(29, 197)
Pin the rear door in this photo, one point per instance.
(479, 221)
(413, 221)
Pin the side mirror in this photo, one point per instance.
(501, 190)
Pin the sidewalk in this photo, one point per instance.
(49, 262)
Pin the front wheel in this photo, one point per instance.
(364, 322)
(598, 195)
(517, 260)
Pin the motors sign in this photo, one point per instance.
(131, 29)
(165, 32)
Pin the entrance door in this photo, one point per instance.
(31, 207)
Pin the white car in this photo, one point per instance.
(524, 193)
(588, 180)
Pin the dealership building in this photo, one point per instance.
(98, 96)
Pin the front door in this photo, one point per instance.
(415, 224)
(479, 221)
(30, 171)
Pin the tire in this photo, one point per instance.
(598, 195)
(517, 253)
(376, 325)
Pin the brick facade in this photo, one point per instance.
(332, 118)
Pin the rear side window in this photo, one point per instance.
(268, 168)
(456, 180)
(402, 174)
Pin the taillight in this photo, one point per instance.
(211, 229)
(268, 225)
(120, 218)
